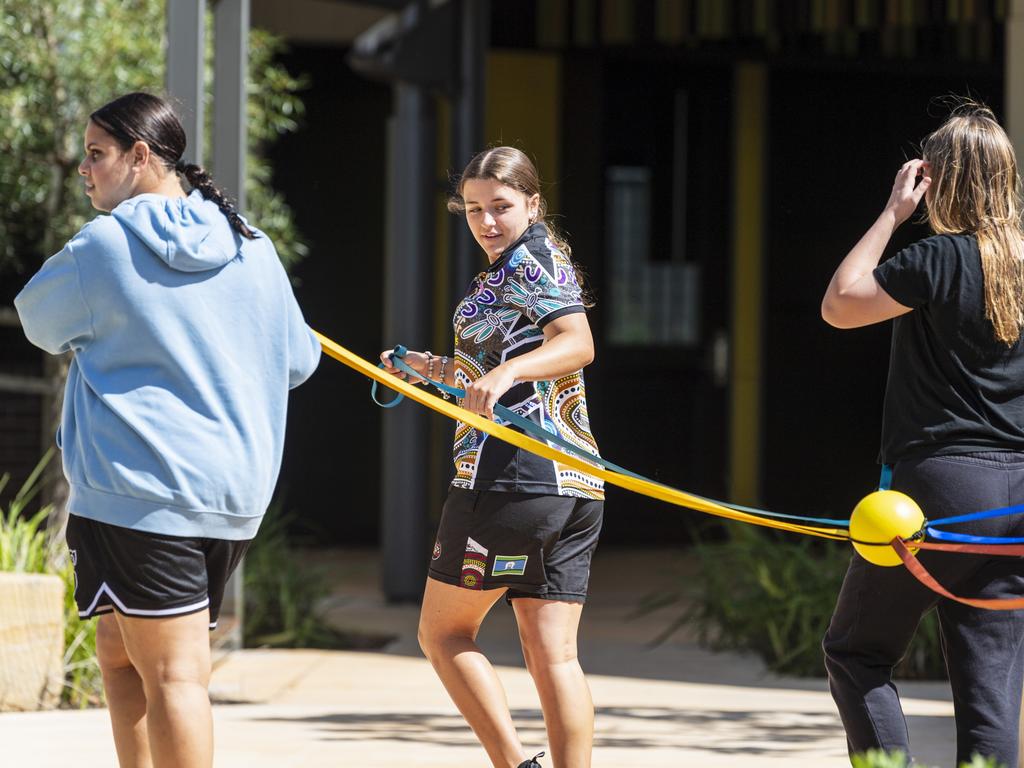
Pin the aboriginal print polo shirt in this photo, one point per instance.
(502, 317)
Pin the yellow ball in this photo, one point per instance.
(880, 517)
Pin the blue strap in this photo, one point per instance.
(399, 351)
(538, 432)
(989, 513)
(964, 538)
(934, 530)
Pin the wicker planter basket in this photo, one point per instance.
(31, 641)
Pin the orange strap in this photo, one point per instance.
(922, 575)
(1009, 550)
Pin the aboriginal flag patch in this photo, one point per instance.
(474, 565)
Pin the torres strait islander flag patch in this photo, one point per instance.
(509, 565)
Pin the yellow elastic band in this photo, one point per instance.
(644, 487)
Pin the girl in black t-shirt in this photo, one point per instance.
(952, 430)
(514, 524)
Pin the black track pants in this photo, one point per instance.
(879, 608)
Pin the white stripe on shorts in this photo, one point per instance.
(137, 611)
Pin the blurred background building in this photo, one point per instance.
(711, 162)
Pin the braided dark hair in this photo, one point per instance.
(199, 178)
(148, 118)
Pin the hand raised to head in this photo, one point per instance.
(911, 183)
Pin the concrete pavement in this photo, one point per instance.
(670, 705)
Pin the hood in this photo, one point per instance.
(189, 233)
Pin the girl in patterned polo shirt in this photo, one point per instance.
(515, 524)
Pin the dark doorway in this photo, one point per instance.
(837, 138)
(332, 174)
(647, 204)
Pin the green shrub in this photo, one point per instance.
(282, 592)
(24, 545)
(977, 761)
(773, 594)
(83, 682)
(279, 596)
(876, 758)
(27, 547)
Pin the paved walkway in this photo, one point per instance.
(671, 705)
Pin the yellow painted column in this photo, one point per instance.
(749, 126)
(524, 108)
(1013, 78)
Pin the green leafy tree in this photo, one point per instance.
(274, 109)
(59, 60)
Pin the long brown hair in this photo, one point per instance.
(511, 167)
(976, 190)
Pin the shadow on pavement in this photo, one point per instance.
(685, 728)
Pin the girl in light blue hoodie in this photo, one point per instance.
(185, 339)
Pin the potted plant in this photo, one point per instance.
(31, 607)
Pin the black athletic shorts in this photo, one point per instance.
(148, 575)
(533, 544)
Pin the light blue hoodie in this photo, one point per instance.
(186, 339)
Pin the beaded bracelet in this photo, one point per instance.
(430, 364)
(444, 363)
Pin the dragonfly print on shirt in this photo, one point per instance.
(532, 301)
(492, 320)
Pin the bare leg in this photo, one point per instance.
(449, 621)
(126, 699)
(547, 629)
(172, 656)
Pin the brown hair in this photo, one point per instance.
(975, 189)
(511, 167)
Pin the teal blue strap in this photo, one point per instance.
(885, 480)
(399, 352)
(538, 432)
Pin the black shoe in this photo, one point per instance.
(532, 762)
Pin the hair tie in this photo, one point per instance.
(181, 166)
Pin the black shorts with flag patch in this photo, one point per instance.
(148, 575)
(535, 545)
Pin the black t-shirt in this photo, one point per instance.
(953, 388)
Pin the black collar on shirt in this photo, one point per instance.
(533, 232)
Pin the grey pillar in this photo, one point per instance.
(407, 262)
(230, 75)
(185, 46)
(467, 130)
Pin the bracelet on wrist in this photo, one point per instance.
(444, 364)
